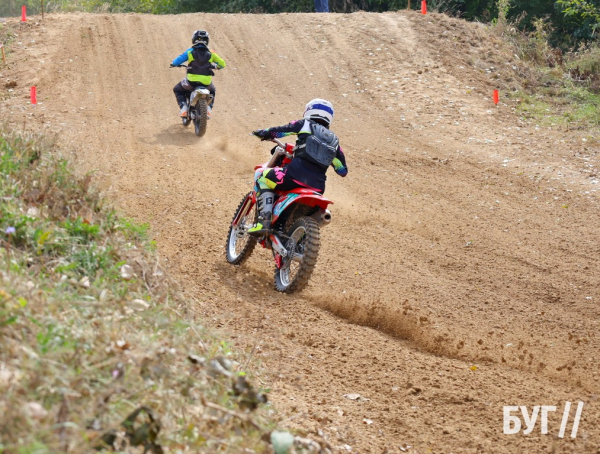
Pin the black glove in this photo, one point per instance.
(264, 134)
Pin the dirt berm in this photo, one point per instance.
(461, 271)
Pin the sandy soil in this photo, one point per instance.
(460, 272)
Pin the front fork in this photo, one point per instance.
(248, 204)
(278, 260)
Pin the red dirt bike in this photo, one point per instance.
(295, 237)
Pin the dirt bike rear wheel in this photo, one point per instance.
(239, 244)
(303, 247)
(201, 118)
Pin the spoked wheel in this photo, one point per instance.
(201, 118)
(303, 250)
(239, 244)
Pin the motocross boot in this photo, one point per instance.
(184, 111)
(266, 199)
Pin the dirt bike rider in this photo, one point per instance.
(201, 64)
(316, 149)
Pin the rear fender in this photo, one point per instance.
(302, 196)
(197, 94)
(249, 202)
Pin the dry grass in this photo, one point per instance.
(97, 347)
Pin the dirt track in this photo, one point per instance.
(462, 238)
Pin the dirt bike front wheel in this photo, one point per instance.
(239, 244)
(303, 249)
(201, 118)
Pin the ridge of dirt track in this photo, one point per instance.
(461, 236)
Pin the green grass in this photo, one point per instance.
(586, 106)
(567, 106)
(83, 345)
(537, 107)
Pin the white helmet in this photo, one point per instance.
(319, 109)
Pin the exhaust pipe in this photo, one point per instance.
(323, 217)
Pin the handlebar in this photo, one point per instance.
(217, 67)
(274, 140)
(279, 151)
(278, 142)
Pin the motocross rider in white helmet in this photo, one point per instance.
(317, 148)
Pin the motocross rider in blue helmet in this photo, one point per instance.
(201, 63)
(317, 148)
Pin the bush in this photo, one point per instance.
(584, 66)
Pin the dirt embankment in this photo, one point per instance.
(460, 272)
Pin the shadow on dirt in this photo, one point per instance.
(176, 134)
(248, 282)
